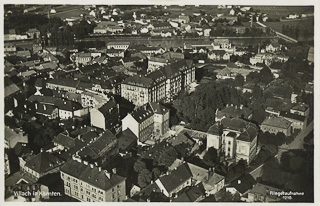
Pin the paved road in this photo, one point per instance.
(297, 143)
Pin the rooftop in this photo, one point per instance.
(94, 176)
(43, 162)
(279, 122)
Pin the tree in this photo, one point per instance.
(144, 178)
(239, 80)
(139, 165)
(211, 156)
(155, 173)
(167, 156)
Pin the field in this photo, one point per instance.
(306, 27)
(68, 11)
(283, 11)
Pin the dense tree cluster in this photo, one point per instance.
(199, 107)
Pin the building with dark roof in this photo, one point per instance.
(101, 149)
(276, 124)
(234, 112)
(162, 84)
(105, 116)
(236, 136)
(140, 122)
(126, 140)
(176, 180)
(298, 121)
(89, 183)
(241, 185)
(40, 165)
(191, 194)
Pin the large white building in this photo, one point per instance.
(237, 138)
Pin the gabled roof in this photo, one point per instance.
(293, 116)
(43, 162)
(64, 140)
(142, 113)
(126, 139)
(176, 178)
(243, 184)
(90, 175)
(106, 107)
(279, 122)
(157, 108)
(139, 80)
(97, 148)
(191, 194)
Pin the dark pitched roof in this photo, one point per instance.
(139, 80)
(90, 175)
(157, 108)
(106, 107)
(142, 113)
(60, 103)
(215, 130)
(293, 116)
(96, 148)
(181, 138)
(64, 140)
(176, 177)
(191, 194)
(126, 139)
(243, 184)
(43, 162)
(45, 109)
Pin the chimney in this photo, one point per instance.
(85, 162)
(41, 150)
(36, 105)
(241, 106)
(91, 166)
(239, 182)
(96, 164)
(99, 169)
(44, 107)
(114, 170)
(107, 174)
(79, 136)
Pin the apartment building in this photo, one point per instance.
(89, 183)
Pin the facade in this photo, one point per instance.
(298, 122)
(89, 183)
(275, 125)
(140, 122)
(118, 45)
(161, 119)
(237, 138)
(218, 55)
(106, 116)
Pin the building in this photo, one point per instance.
(107, 27)
(13, 137)
(82, 58)
(118, 45)
(234, 112)
(161, 119)
(298, 121)
(241, 185)
(40, 165)
(219, 55)
(89, 183)
(173, 182)
(273, 47)
(155, 63)
(140, 122)
(106, 116)
(101, 149)
(237, 138)
(214, 183)
(219, 44)
(300, 109)
(275, 125)
(262, 193)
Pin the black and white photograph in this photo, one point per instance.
(154, 102)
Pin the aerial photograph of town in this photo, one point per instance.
(158, 103)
